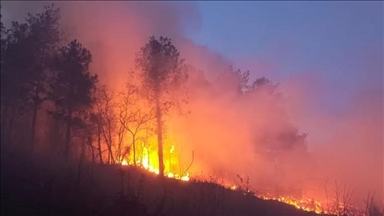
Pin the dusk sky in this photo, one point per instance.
(335, 48)
(339, 42)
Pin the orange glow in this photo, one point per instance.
(302, 203)
(147, 158)
(306, 204)
(124, 162)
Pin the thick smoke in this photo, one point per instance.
(225, 129)
(115, 32)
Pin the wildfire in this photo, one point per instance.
(124, 162)
(308, 204)
(302, 203)
(305, 204)
(148, 160)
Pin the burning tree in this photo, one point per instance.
(133, 117)
(163, 74)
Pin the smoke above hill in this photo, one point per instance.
(228, 131)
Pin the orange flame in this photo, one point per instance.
(307, 204)
(149, 161)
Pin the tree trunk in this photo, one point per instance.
(110, 141)
(10, 126)
(109, 156)
(80, 163)
(33, 126)
(68, 134)
(134, 148)
(36, 104)
(110, 146)
(159, 136)
(4, 112)
(99, 144)
(92, 150)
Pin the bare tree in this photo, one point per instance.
(133, 116)
(106, 119)
(96, 120)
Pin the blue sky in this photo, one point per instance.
(340, 42)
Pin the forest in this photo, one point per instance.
(73, 144)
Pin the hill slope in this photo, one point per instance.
(42, 185)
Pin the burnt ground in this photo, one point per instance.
(42, 185)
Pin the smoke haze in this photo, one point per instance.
(224, 129)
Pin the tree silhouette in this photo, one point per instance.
(232, 79)
(44, 35)
(163, 74)
(16, 61)
(3, 36)
(95, 123)
(105, 118)
(72, 87)
(27, 56)
(133, 115)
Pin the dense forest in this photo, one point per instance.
(56, 110)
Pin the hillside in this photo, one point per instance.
(42, 185)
